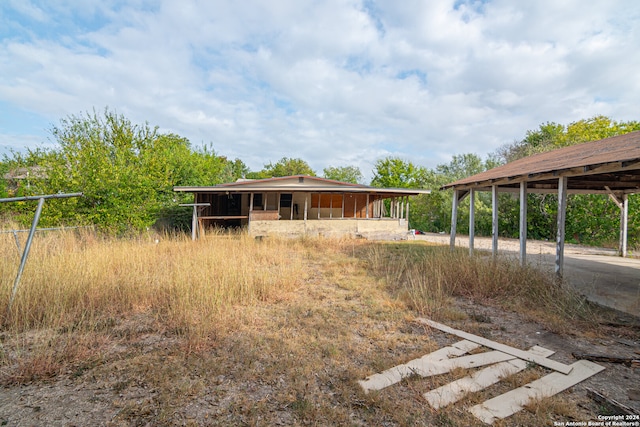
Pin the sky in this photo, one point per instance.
(333, 82)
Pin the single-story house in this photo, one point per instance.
(302, 205)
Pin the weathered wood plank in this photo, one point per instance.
(521, 354)
(479, 380)
(513, 401)
(429, 368)
(398, 373)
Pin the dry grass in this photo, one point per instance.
(229, 330)
(85, 278)
(428, 277)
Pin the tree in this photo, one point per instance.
(393, 172)
(350, 174)
(433, 212)
(125, 171)
(461, 166)
(284, 167)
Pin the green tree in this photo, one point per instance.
(125, 171)
(433, 212)
(393, 172)
(461, 166)
(284, 167)
(350, 174)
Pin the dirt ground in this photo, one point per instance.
(250, 377)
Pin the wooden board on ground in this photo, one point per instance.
(479, 380)
(398, 373)
(513, 401)
(521, 354)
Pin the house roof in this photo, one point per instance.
(607, 165)
(298, 183)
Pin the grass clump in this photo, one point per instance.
(77, 280)
(428, 277)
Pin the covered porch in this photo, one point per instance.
(301, 205)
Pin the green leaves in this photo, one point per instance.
(284, 167)
(126, 171)
(350, 174)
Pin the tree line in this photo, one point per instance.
(127, 173)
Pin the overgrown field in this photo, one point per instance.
(230, 330)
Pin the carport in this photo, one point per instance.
(608, 166)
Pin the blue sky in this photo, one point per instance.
(334, 82)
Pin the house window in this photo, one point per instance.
(257, 201)
(285, 200)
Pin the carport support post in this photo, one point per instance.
(494, 220)
(523, 223)
(624, 224)
(472, 219)
(454, 218)
(562, 214)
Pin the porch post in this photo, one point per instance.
(342, 214)
(319, 197)
(278, 206)
(250, 211)
(523, 223)
(472, 219)
(330, 205)
(562, 214)
(355, 205)
(494, 220)
(306, 196)
(194, 218)
(407, 210)
(367, 205)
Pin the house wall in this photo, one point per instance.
(369, 228)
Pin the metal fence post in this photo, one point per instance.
(25, 254)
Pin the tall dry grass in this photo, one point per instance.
(428, 277)
(77, 279)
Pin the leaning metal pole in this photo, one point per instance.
(32, 231)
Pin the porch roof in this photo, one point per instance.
(298, 184)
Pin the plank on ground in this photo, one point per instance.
(479, 380)
(520, 354)
(398, 373)
(513, 401)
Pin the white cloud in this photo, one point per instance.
(336, 82)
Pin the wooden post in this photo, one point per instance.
(330, 205)
(342, 214)
(494, 220)
(319, 197)
(472, 219)
(367, 205)
(624, 224)
(562, 214)
(355, 204)
(278, 206)
(194, 218)
(454, 219)
(407, 210)
(306, 196)
(523, 223)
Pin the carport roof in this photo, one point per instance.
(604, 166)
